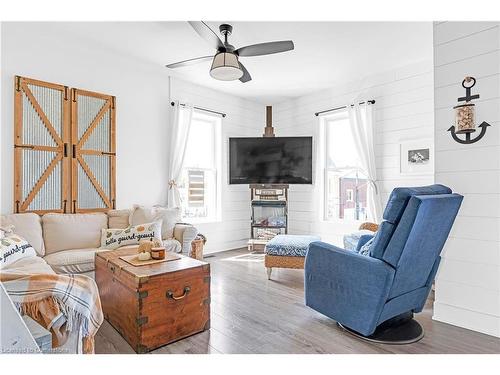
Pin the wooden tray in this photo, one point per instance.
(133, 260)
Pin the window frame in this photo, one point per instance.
(215, 121)
(325, 128)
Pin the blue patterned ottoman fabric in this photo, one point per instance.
(290, 245)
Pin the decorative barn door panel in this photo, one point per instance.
(93, 164)
(41, 132)
(64, 149)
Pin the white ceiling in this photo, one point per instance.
(325, 52)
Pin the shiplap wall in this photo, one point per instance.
(244, 119)
(468, 282)
(403, 111)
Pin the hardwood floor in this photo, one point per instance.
(250, 314)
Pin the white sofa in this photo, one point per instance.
(67, 243)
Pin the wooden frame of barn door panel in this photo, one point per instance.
(61, 148)
(77, 151)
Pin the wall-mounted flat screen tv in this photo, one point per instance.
(276, 160)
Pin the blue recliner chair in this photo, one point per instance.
(374, 297)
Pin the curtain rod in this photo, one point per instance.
(201, 109)
(344, 106)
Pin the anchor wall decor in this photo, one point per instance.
(465, 116)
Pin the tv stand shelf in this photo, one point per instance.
(266, 202)
(269, 205)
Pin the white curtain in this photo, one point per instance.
(181, 124)
(361, 119)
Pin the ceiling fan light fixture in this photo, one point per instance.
(225, 67)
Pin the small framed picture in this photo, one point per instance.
(416, 157)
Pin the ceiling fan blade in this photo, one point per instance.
(208, 34)
(246, 76)
(265, 48)
(184, 63)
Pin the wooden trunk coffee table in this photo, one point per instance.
(153, 305)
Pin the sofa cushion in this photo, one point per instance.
(115, 238)
(72, 231)
(13, 248)
(29, 266)
(168, 216)
(400, 196)
(73, 261)
(28, 226)
(118, 219)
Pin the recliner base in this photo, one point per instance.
(400, 330)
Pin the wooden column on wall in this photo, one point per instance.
(269, 130)
(41, 136)
(64, 148)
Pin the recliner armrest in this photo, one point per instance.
(185, 233)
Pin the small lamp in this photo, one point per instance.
(226, 67)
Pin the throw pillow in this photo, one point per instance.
(172, 245)
(168, 217)
(114, 238)
(119, 219)
(351, 240)
(365, 249)
(13, 248)
(6, 231)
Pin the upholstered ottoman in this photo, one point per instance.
(287, 251)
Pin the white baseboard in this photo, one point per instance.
(475, 321)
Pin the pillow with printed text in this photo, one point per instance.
(13, 248)
(115, 238)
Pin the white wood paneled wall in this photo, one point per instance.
(403, 111)
(468, 282)
(244, 119)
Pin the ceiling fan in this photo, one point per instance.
(226, 65)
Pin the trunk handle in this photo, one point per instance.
(170, 294)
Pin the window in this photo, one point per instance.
(345, 184)
(200, 182)
(349, 195)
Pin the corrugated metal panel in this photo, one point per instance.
(49, 196)
(88, 197)
(99, 139)
(100, 167)
(51, 101)
(35, 162)
(88, 108)
(34, 130)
